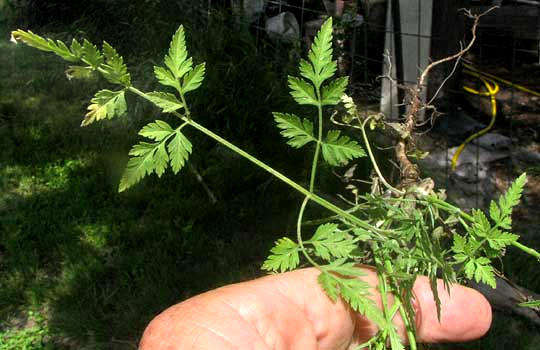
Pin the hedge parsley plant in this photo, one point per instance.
(403, 233)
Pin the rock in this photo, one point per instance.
(493, 141)
(283, 27)
(457, 126)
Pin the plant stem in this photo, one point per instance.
(314, 164)
(317, 146)
(374, 162)
(299, 233)
(188, 113)
(410, 330)
(449, 207)
(324, 203)
(527, 250)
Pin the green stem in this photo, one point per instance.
(317, 146)
(409, 328)
(449, 207)
(322, 202)
(410, 332)
(299, 233)
(314, 164)
(186, 108)
(374, 162)
(527, 250)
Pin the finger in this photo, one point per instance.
(465, 313)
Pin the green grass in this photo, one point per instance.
(34, 336)
(96, 264)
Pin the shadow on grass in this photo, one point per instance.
(98, 264)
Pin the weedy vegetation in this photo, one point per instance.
(403, 231)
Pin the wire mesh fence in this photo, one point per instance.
(495, 133)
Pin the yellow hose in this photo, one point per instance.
(492, 90)
(501, 80)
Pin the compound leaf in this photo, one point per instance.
(157, 131)
(494, 211)
(338, 150)
(346, 269)
(145, 159)
(40, 43)
(459, 244)
(90, 55)
(330, 284)
(306, 70)
(165, 77)
(332, 92)
(498, 239)
(484, 272)
(177, 53)
(509, 200)
(161, 159)
(284, 256)
(354, 291)
(299, 132)
(179, 151)
(329, 242)
(481, 226)
(164, 100)
(302, 91)
(469, 269)
(194, 78)
(105, 104)
(76, 48)
(114, 68)
(320, 54)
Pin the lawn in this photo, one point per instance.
(82, 266)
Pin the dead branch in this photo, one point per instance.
(409, 171)
(462, 52)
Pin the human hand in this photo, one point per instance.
(291, 311)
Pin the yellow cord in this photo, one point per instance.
(501, 80)
(492, 90)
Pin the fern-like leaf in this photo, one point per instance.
(354, 291)
(179, 150)
(177, 53)
(157, 131)
(498, 240)
(90, 55)
(306, 70)
(330, 242)
(320, 54)
(332, 92)
(114, 69)
(302, 91)
(481, 270)
(166, 101)
(284, 256)
(299, 132)
(146, 158)
(40, 43)
(194, 78)
(105, 104)
(339, 150)
(165, 77)
(503, 215)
